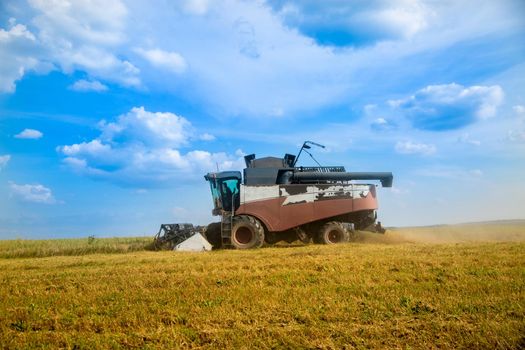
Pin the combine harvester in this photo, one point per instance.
(276, 201)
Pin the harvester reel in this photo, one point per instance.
(247, 232)
(333, 232)
(170, 235)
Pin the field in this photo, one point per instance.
(430, 287)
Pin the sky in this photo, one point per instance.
(112, 111)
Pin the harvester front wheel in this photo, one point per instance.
(247, 232)
(333, 232)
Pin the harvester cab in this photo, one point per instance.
(225, 190)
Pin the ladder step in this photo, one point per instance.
(226, 230)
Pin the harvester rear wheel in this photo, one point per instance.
(247, 232)
(213, 234)
(332, 232)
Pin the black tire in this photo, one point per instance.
(247, 232)
(213, 234)
(332, 232)
(271, 238)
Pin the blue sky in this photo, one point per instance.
(112, 111)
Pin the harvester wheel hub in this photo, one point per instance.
(333, 232)
(244, 235)
(335, 236)
(247, 232)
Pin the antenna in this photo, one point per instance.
(311, 156)
(305, 147)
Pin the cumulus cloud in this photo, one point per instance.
(450, 106)
(94, 147)
(4, 159)
(29, 134)
(88, 85)
(18, 54)
(78, 35)
(35, 193)
(171, 61)
(344, 23)
(409, 147)
(150, 128)
(143, 148)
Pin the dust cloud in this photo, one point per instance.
(494, 231)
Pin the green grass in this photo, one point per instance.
(80, 246)
(375, 295)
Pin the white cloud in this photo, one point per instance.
(516, 135)
(88, 85)
(196, 7)
(383, 124)
(465, 138)
(520, 111)
(19, 48)
(451, 173)
(69, 35)
(476, 172)
(74, 163)
(29, 134)
(450, 106)
(171, 61)
(409, 147)
(32, 193)
(77, 35)
(343, 23)
(92, 148)
(142, 148)
(98, 21)
(4, 159)
(399, 190)
(207, 137)
(150, 128)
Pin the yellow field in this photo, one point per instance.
(381, 292)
